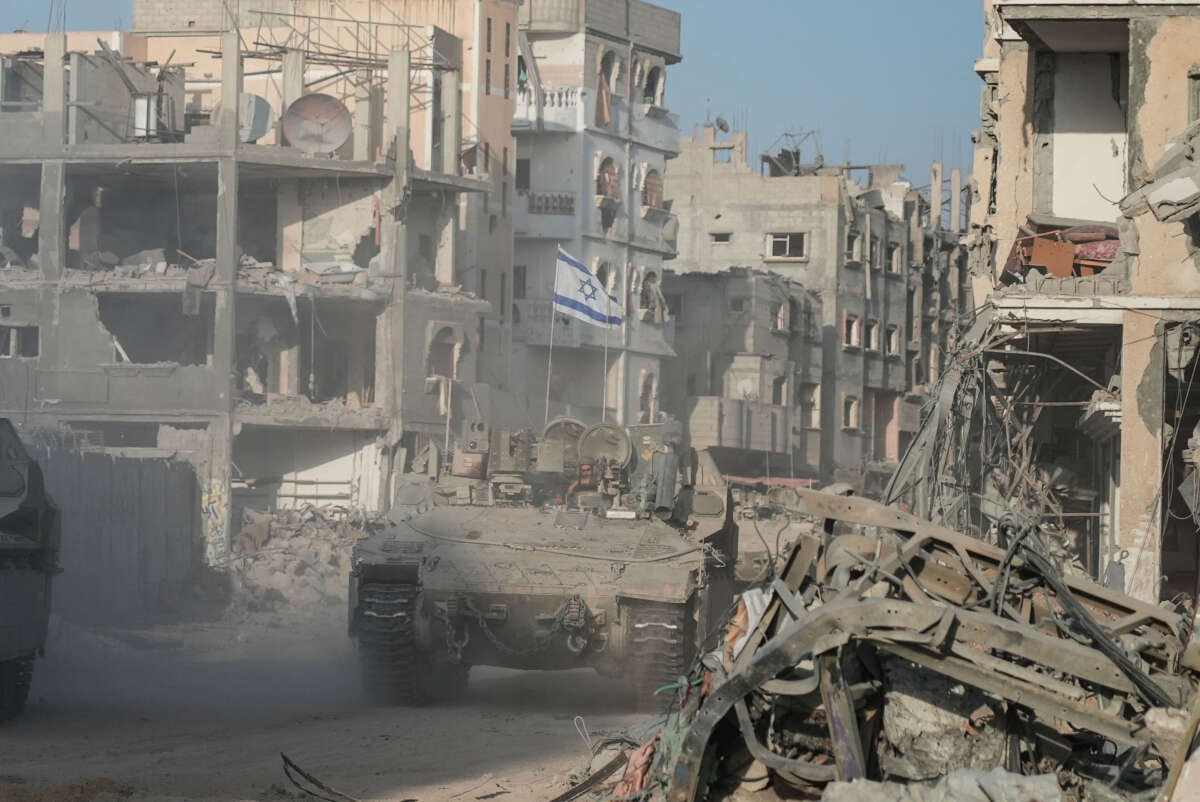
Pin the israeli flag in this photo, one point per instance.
(578, 293)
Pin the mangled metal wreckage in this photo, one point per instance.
(890, 647)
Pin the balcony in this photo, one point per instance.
(532, 327)
(545, 215)
(562, 110)
(651, 338)
(655, 127)
(657, 230)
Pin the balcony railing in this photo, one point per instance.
(562, 108)
(545, 215)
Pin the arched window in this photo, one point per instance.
(604, 88)
(606, 274)
(652, 92)
(606, 179)
(652, 190)
(441, 358)
(649, 295)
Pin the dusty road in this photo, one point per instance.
(202, 711)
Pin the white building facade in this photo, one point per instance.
(593, 137)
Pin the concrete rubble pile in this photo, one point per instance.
(889, 658)
(296, 559)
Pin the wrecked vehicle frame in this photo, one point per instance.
(990, 618)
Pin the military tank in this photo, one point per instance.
(601, 546)
(28, 561)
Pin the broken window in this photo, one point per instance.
(786, 246)
(851, 331)
(652, 190)
(849, 412)
(604, 89)
(808, 399)
(19, 342)
(895, 258)
(874, 254)
(483, 287)
(606, 179)
(872, 332)
(442, 356)
(721, 237)
(893, 340)
(778, 390)
(780, 316)
(151, 328)
(722, 155)
(606, 274)
(652, 93)
(737, 304)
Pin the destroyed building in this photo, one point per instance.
(1083, 231)
(886, 262)
(593, 137)
(265, 289)
(747, 390)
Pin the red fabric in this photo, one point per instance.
(1104, 249)
(637, 770)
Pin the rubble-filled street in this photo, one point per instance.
(451, 400)
(202, 712)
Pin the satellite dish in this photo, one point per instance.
(255, 117)
(606, 440)
(723, 125)
(317, 124)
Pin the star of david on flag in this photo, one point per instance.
(578, 293)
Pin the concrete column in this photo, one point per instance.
(52, 225)
(293, 84)
(956, 185)
(54, 90)
(390, 340)
(1140, 516)
(935, 196)
(362, 116)
(451, 122)
(231, 89)
(217, 509)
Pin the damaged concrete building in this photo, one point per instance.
(593, 137)
(1083, 231)
(886, 262)
(747, 390)
(266, 289)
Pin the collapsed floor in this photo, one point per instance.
(888, 648)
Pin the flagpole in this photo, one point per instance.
(550, 353)
(607, 326)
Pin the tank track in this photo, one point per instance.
(661, 646)
(15, 678)
(394, 670)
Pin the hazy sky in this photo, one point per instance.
(880, 79)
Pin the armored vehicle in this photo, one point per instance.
(596, 546)
(28, 560)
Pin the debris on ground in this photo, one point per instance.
(91, 790)
(295, 559)
(893, 658)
